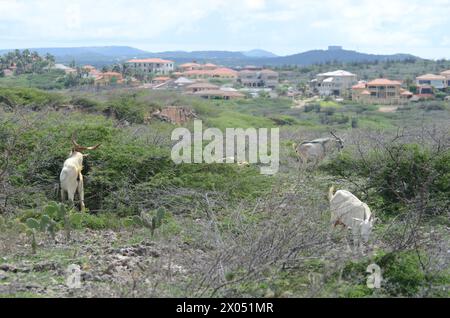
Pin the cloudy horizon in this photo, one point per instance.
(280, 26)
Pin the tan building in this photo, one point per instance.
(153, 66)
(219, 73)
(193, 66)
(108, 78)
(189, 67)
(380, 91)
(200, 86)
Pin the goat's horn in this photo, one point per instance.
(93, 147)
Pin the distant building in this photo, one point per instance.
(219, 73)
(89, 71)
(446, 74)
(258, 78)
(380, 91)
(437, 81)
(183, 81)
(194, 66)
(424, 92)
(160, 80)
(189, 67)
(108, 78)
(66, 69)
(153, 66)
(337, 83)
(200, 86)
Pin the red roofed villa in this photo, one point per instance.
(380, 91)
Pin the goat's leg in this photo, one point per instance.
(81, 192)
(63, 195)
(71, 196)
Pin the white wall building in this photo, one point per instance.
(337, 83)
(437, 81)
(151, 66)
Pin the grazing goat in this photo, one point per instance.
(71, 179)
(315, 150)
(347, 210)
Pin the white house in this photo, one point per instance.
(337, 83)
(437, 81)
(153, 66)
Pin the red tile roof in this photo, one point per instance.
(185, 65)
(431, 77)
(359, 86)
(217, 72)
(161, 78)
(383, 82)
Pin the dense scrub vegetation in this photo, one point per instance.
(226, 230)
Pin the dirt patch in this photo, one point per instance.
(388, 109)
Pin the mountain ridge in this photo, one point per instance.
(103, 55)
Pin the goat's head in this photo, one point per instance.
(77, 148)
(366, 227)
(339, 141)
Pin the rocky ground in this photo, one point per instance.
(108, 263)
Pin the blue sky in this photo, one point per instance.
(281, 26)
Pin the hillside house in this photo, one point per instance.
(160, 80)
(109, 78)
(153, 66)
(446, 74)
(258, 78)
(336, 83)
(218, 73)
(200, 86)
(89, 71)
(380, 91)
(193, 66)
(437, 81)
(66, 69)
(189, 67)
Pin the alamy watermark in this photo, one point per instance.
(73, 276)
(375, 278)
(251, 145)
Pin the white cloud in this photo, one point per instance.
(275, 23)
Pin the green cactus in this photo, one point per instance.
(33, 224)
(52, 210)
(154, 223)
(31, 233)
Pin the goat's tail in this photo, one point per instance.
(330, 193)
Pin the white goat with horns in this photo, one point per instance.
(347, 210)
(71, 178)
